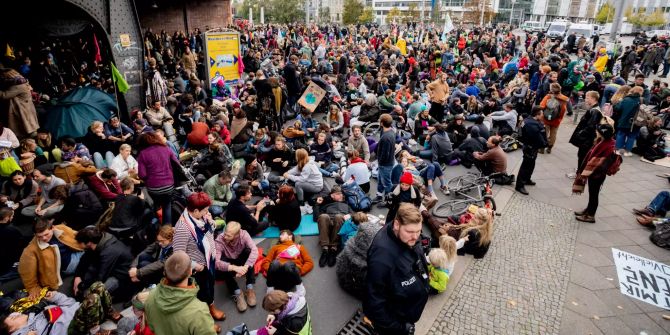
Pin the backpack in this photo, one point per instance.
(613, 163)
(553, 109)
(642, 117)
(356, 198)
(661, 235)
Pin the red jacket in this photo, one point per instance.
(198, 134)
(104, 191)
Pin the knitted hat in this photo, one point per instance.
(406, 178)
(141, 122)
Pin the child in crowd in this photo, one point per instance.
(289, 314)
(442, 262)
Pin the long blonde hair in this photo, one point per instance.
(448, 244)
(302, 157)
(620, 94)
(482, 223)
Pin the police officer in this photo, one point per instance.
(534, 138)
(397, 275)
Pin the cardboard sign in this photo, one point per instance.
(642, 278)
(125, 40)
(312, 96)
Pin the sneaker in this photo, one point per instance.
(445, 190)
(571, 175)
(377, 199)
(323, 260)
(628, 154)
(250, 296)
(240, 302)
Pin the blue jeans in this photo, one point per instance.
(328, 169)
(99, 162)
(608, 92)
(74, 261)
(384, 184)
(625, 139)
(660, 204)
(666, 68)
(432, 171)
(215, 210)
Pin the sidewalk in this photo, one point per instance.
(546, 273)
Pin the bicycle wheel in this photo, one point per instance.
(464, 181)
(451, 208)
(371, 129)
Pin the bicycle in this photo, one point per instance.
(473, 189)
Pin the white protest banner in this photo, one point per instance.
(312, 96)
(642, 278)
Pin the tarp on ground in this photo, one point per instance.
(74, 112)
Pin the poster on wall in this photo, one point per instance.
(312, 96)
(643, 279)
(223, 56)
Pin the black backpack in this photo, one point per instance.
(661, 235)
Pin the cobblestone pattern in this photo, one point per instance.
(520, 285)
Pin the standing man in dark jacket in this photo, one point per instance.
(330, 212)
(397, 276)
(106, 259)
(292, 79)
(385, 157)
(343, 70)
(585, 132)
(534, 138)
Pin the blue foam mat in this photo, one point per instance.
(307, 228)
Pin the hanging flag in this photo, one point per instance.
(9, 53)
(119, 80)
(448, 27)
(98, 57)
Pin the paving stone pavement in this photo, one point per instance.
(521, 284)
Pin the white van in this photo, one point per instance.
(557, 29)
(532, 26)
(581, 29)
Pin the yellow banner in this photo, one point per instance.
(223, 56)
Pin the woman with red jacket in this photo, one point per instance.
(105, 185)
(593, 171)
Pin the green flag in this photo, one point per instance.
(118, 79)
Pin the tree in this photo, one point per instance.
(393, 15)
(286, 11)
(473, 10)
(243, 9)
(324, 14)
(367, 16)
(606, 13)
(412, 13)
(352, 11)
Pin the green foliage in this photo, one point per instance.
(412, 13)
(393, 15)
(641, 18)
(352, 11)
(367, 16)
(286, 11)
(606, 13)
(243, 9)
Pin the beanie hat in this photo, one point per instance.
(406, 178)
(141, 122)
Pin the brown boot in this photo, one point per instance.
(646, 220)
(217, 314)
(240, 302)
(586, 218)
(251, 297)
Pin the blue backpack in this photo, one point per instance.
(356, 198)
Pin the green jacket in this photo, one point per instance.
(220, 194)
(177, 311)
(437, 279)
